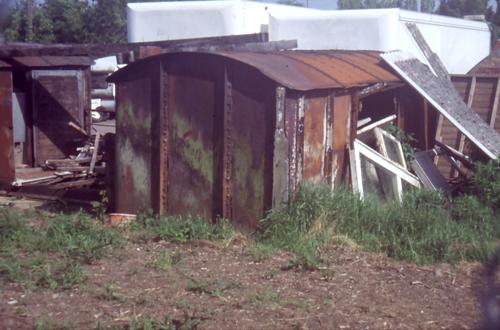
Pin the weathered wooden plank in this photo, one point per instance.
(280, 154)
(101, 50)
(494, 108)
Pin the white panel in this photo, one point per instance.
(460, 44)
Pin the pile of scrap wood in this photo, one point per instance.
(84, 169)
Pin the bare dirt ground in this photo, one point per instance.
(211, 287)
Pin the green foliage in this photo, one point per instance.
(460, 8)
(107, 22)
(45, 251)
(260, 252)
(426, 5)
(111, 293)
(406, 140)
(167, 259)
(420, 229)
(183, 230)
(69, 21)
(487, 183)
(44, 324)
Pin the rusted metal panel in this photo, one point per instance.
(230, 141)
(309, 70)
(58, 98)
(227, 145)
(192, 159)
(341, 127)
(134, 166)
(314, 138)
(163, 139)
(280, 155)
(253, 121)
(7, 170)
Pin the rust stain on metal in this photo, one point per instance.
(192, 156)
(341, 128)
(163, 126)
(239, 131)
(134, 168)
(314, 135)
(227, 159)
(309, 70)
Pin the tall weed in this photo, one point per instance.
(420, 229)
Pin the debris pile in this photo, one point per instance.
(83, 170)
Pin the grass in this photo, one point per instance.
(42, 250)
(183, 229)
(166, 259)
(46, 250)
(421, 229)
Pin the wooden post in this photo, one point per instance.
(494, 108)
(280, 154)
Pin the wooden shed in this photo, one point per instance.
(39, 97)
(232, 134)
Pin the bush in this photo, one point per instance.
(487, 183)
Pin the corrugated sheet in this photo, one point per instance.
(50, 61)
(307, 70)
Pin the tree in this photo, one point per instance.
(107, 22)
(460, 8)
(17, 25)
(68, 19)
(425, 5)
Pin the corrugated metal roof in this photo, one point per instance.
(50, 61)
(307, 70)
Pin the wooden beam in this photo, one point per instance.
(470, 99)
(94, 153)
(426, 123)
(438, 137)
(101, 50)
(380, 122)
(494, 109)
